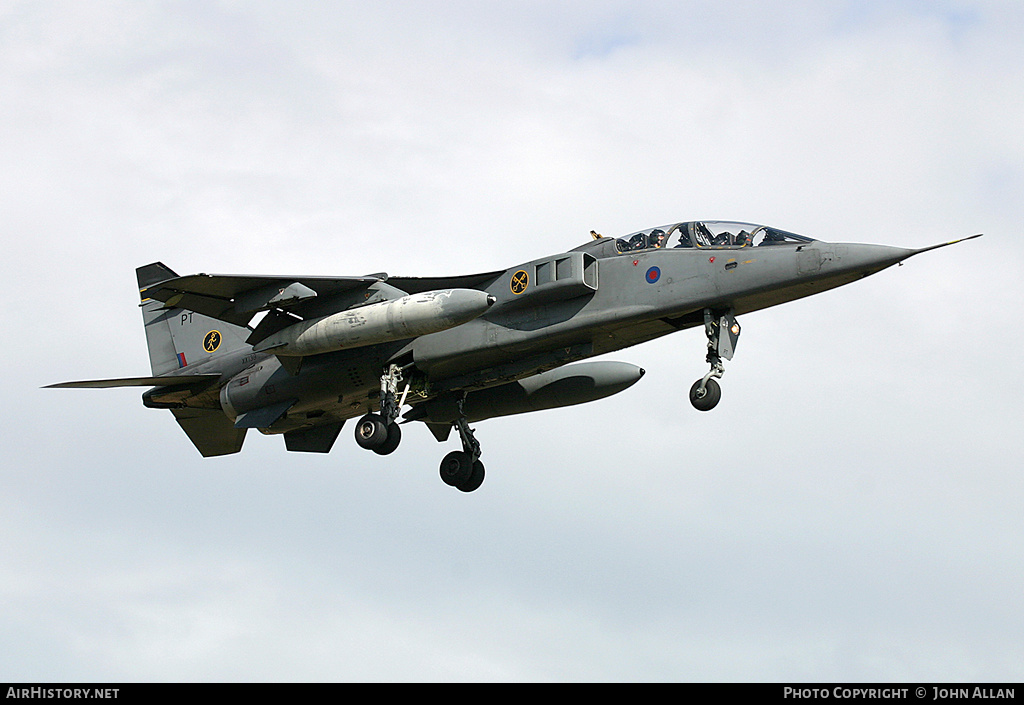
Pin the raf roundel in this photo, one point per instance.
(653, 275)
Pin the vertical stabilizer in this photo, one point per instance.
(178, 338)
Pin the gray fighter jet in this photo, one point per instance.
(298, 356)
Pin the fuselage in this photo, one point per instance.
(599, 298)
(465, 348)
(636, 296)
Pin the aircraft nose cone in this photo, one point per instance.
(869, 259)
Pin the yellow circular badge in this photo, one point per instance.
(519, 282)
(212, 341)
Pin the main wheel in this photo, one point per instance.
(391, 442)
(476, 478)
(371, 432)
(457, 468)
(709, 398)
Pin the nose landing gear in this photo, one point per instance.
(723, 332)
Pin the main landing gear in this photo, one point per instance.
(381, 432)
(462, 469)
(723, 331)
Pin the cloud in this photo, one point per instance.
(849, 512)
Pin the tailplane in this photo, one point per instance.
(179, 339)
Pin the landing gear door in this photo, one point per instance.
(723, 333)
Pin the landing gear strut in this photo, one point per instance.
(462, 469)
(723, 331)
(381, 432)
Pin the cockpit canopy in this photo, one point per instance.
(709, 235)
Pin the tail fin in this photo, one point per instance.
(180, 338)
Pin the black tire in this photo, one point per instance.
(371, 432)
(476, 478)
(709, 399)
(391, 442)
(456, 468)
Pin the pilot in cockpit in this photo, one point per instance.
(638, 242)
(701, 235)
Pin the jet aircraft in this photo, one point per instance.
(299, 355)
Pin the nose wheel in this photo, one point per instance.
(705, 394)
(723, 332)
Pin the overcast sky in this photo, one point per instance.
(851, 510)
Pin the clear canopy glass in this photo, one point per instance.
(708, 234)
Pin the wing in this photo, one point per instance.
(236, 298)
(416, 285)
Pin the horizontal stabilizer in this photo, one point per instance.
(164, 381)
